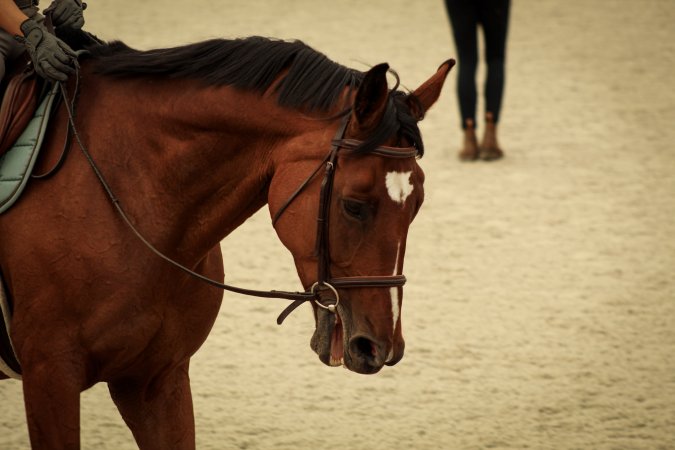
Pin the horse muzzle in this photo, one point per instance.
(338, 344)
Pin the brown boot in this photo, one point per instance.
(489, 149)
(470, 150)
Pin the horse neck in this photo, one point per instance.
(197, 160)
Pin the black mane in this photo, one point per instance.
(312, 82)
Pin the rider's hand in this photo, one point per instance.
(52, 58)
(67, 13)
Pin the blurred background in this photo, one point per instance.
(540, 307)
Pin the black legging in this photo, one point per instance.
(493, 15)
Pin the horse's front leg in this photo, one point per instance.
(158, 411)
(52, 398)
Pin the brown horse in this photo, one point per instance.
(192, 141)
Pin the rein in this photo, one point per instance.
(325, 283)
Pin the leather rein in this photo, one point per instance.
(325, 283)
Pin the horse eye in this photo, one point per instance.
(355, 209)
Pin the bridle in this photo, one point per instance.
(324, 283)
(324, 280)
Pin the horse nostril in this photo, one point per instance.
(362, 346)
(364, 349)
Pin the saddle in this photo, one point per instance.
(19, 102)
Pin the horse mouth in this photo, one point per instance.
(337, 346)
(328, 338)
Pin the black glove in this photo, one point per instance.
(52, 58)
(67, 13)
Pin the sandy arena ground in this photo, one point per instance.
(540, 309)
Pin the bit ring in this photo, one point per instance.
(332, 307)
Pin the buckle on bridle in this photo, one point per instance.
(314, 290)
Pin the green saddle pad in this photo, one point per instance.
(17, 163)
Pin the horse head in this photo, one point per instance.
(370, 194)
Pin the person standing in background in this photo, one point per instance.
(493, 17)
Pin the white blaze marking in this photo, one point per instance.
(399, 186)
(395, 308)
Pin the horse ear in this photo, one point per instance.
(426, 95)
(371, 100)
